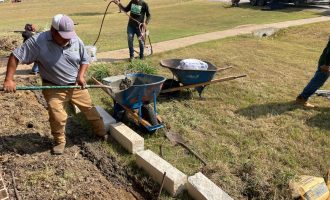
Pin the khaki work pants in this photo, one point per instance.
(58, 98)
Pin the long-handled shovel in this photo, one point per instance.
(57, 87)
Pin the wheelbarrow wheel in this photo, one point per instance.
(149, 115)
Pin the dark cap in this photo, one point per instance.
(64, 25)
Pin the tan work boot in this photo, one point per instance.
(58, 148)
(303, 102)
(98, 128)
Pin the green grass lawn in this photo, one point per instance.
(170, 19)
(250, 132)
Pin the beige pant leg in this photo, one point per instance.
(57, 114)
(83, 101)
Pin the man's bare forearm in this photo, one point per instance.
(11, 67)
(82, 70)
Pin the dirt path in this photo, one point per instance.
(187, 41)
(85, 171)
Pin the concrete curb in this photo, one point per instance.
(200, 187)
(125, 136)
(106, 117)
(174, 182)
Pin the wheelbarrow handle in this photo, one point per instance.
(56, 87)
(203, 84)
(223, 68)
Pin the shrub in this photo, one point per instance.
(141, 66)
(99, 71)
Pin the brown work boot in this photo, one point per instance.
(58, 148)
(303, 102)
(98, 128)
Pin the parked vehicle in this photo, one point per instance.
(295, 2)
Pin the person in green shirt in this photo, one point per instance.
(138, 9)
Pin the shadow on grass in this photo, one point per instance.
(278, 108)
(23, 71)
(288, 8)
(321, 120)
(87, 14)
(111, 60)
(182, 95)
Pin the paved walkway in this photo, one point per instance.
(187, 41)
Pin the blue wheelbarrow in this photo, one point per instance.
(132, 95)
(191, 78)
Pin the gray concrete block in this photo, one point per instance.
(155, 166)
(125, 136)
(106, 117)
(201, 188)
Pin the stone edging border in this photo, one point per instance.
(198, 185)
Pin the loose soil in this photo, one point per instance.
(85, 171)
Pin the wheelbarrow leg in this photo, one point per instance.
(200, 90)
(140, 107)
(118, 111)
(155, 98)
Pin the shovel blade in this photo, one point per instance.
(174, 137)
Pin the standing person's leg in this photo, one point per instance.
(315, 83)
(82, 100)
(57, 117)
(141, 43)
(35, 68)
(130, 40)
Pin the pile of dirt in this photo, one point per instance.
(85, 171)
(8, 43)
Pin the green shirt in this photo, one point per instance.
(138, 10)
(325, 57)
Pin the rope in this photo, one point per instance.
(106, 10)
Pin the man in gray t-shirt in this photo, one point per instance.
(63, 61)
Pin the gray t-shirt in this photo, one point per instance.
(58, 65)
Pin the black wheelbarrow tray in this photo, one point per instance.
(191, 78)
(135, 99)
